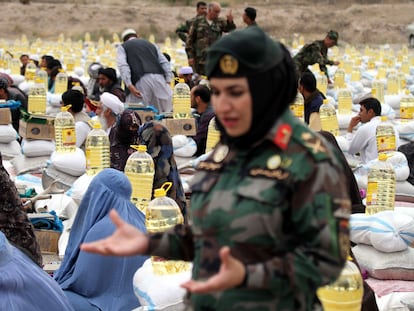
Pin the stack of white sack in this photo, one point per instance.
(34, 157)
(384, 253)
(65, 167)
(9, 146)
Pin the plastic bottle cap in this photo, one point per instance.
(97, 125)
(181, 80)
(382, 157)
(325, 101)
(142, 148)
(162, 192)
(65, 108)
(384, 118)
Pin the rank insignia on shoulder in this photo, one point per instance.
(274, 162)
(220, 153)
(282, 136)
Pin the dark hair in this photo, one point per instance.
(308, 81)
(54, 63)
(250, 12)
(74, 98)
(109, 72)
(201, 3)
(47, 58)
(202, 91)
(371, 103)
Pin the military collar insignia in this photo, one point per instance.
(229, 64)
(282, 136)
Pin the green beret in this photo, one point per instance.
(333, 35)
(243, 52)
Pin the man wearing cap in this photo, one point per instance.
(109, 110)
(249, 16)
(186, 73)
(108, 82)
(183, 29)
(204, 31)
(145, 71)
(317, 53)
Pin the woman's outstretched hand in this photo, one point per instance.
(231, 274)
(125, 241)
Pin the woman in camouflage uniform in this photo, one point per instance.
(269, 205)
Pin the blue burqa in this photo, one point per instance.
(24, 285)
(104, 281)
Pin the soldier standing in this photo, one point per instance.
(317, 53)
(204, 31)
(269, 205)
(183, 29)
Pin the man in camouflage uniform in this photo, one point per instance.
(317, 53)
(269, 205)
(184, 28)
(204, 31)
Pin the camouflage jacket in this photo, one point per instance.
(202, 35)
(184, 28)
(313, 53)
(282, 207)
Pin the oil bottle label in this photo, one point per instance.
(406, 112)
(386, 143)
(372, 193)
(68, 137)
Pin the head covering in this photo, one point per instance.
(250, 12)
(108, 72)
(112, 102)
(4, 83)
(24, 285)
(186, 70)
(93, 69)
(34, 57)
(332, 34)
(9, 79)
(105, 281)
(14, 222)
(92, 104)
(74, 98)
(122, 136)
(270, 72)
(128, 32)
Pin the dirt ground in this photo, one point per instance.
(357, 23)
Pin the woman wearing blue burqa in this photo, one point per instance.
(94, 282)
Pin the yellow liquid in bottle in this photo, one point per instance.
(345, 294)
(213, 135)
(329, 121)
(97, 152)
(140, 171)
(181, 101)
(344, 102)
(380, 188)
(159, 218)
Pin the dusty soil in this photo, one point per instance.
(357, 23)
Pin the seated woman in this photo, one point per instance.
(24, 285)
(14, 222)
(93, 282)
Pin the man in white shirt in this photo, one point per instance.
(363, 140)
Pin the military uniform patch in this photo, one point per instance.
(274, 162)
